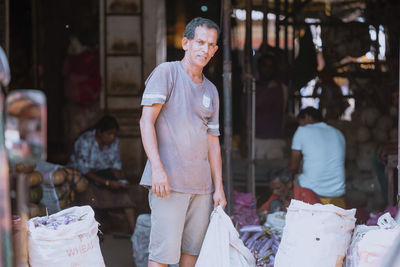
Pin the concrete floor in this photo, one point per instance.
(117, 251)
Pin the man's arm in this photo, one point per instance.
(295, 159)
(160, 182)
(214, 157)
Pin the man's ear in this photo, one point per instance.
(185, 43)
(215, 49)
(289, 184)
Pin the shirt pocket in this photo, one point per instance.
(206, 106)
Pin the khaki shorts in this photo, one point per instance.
(178, 225)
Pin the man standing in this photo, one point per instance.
(180, 129)
(271, 98)
(322, 149)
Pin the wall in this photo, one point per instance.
(151, 51)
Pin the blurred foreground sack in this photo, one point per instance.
(64, 239)
(315, 235)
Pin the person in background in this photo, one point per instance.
(322, 149)
(284, 190)
(271, 97)
(379, 163)
(96, 155)
(180, 129)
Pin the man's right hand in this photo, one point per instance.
(115, 185)
(160, 183)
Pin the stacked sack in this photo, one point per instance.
(365, 134)
(51, 186)
(67, 182)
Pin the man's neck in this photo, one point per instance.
(194, 72)
(98, 139)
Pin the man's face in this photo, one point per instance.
(280, 189)
(108, 137)
(202, 47)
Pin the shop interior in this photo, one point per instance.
(341, 57)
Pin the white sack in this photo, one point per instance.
(315, 235)
(75, 244)
(222, 246)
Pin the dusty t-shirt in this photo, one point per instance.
(189, 113)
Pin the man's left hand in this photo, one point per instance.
(219, 198)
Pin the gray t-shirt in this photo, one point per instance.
(189, 114)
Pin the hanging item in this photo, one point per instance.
(340, 40)
(304, 67)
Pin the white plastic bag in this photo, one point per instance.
(315, 235)
(276, 221)
(49, 199)
(74, 244)
(140, 240)
(352, 258)
(222, 246)
(376, 243)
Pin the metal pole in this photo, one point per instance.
(265, 23)
(398, 133)
(35, 43)
(277, 26)
(376, 45)
(7, 28)
(248, 77)
(294, 6)
(227, 83)
(286, 25)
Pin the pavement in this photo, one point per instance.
(117, 250)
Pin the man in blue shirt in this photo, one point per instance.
(322, 149)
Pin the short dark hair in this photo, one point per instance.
(199, 21)
(314, 113)
(282, 174)
(107, 122)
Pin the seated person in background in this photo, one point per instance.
(96, 155)
(322, 149)
(284, 190)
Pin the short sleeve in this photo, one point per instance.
(158, 85)
(213, 122)
(81, 158)
(116, 155)
(297, 139)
